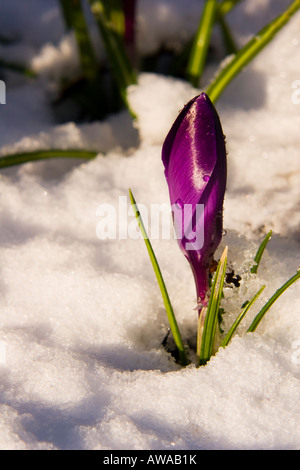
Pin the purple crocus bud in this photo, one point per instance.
(194, 156)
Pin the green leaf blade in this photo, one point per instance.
(206, 341)
(121, 66)
(201, 42)
(249, 51)
(260, 252)
(236, 323)
(25, 157)
(75, 19)
(270, 302)
(168, 306)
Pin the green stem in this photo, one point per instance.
(249, 51)
(66, 12)
(162, 286)
(229, 42)
(226, 5)
(201, 42)
(260, 252)
(121, 66)
(87, 56)
(24, 157)
(223, 8)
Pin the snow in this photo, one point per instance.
(82, 319)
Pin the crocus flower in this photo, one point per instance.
(194, 157)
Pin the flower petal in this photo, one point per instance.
(194, 158)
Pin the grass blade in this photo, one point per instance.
(236, 323)
(260, 251)
(87, 56)
(74, 19)
(122, 69)
(19, 68)
(270, 302)
(226, 5)
(115, 13)
(205, 341)
(18, 158)
(222, 9)
(162, 286)
(201, 43)
(66, 12)
(228, 39)
(249, 51)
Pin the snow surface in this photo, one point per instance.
(82, 319)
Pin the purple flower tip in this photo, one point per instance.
(194, 157)
(129, 7)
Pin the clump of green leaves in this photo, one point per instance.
(102, 87)
(209, 316)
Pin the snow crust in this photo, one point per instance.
(82, 319)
